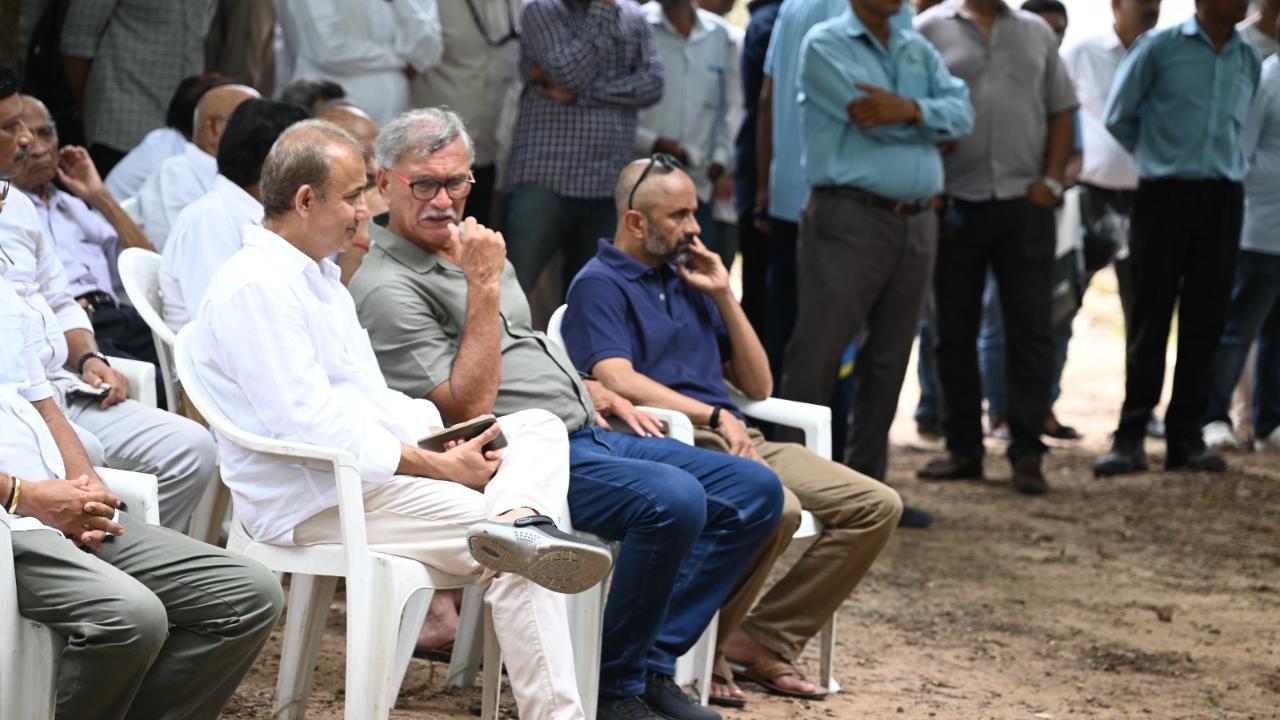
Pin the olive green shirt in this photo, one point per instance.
(414, 304)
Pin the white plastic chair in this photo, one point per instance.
(29, 649)
(815, 422)
(140, 275)
(130, 208)
(387, 596)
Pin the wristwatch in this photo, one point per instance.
(714, 421)
(86, 357)
(1055, 188)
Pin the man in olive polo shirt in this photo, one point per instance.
(449, 322)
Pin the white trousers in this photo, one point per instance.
(427, 520)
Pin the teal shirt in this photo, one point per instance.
(1179, 106)
(899, 161)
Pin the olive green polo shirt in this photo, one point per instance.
(413, 304)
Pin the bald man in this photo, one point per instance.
(88, 230)
(359, 125)
(181, 179)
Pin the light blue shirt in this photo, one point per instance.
(787, 186)
(1179, 106)
(899, 161)
(1261, 142)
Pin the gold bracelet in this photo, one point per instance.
(17, 493)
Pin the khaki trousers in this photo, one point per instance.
(427, 520)
(859, 515)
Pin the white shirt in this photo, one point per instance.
(1092, 64)
(27, 448)
(1260, 139)
(1265, 44)
(364, 45)
(473, 78)
(701, 87)
(31, 267)
(178, 182)
(277, 342)
(126, 178)
(207, 233)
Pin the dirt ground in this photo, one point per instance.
(1152, 596)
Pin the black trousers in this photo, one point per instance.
(1185, 235)
(780, 316)
(1016, 239)
(1101, 208)
(754, 246)
(122, 332)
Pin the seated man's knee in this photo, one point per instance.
(265, 597)
(198, 453)
(679, 504)
(536, 426)
(133, 618)
(763, 491)
(792, 510)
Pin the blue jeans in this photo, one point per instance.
(1254, 313)
(689, 521)
(931, 407)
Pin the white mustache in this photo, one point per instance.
(433, 214)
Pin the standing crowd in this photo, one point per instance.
(366, 214)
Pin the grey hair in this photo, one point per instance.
(300, 156)
(423, 132)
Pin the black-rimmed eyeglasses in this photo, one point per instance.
(426, 189)
(668, 163)
(4, 189)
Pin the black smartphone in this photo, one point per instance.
(463, 431)
(618, 426)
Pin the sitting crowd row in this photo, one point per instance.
(429, 328)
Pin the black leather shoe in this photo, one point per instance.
(1124, 457)
(667, 700)
(952, 467)
(1197, 458)
(1027, 476)
(629, 708)
(914, 517)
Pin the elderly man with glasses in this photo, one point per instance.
(449, 322)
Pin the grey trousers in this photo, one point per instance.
(133, 436)
(159, 626)
(858, 268)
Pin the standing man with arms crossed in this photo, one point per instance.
(875, 102)
(590, 67)
(1179, 102)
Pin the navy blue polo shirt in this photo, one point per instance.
(673, 333)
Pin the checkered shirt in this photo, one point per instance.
(603, 52)
(141, 50)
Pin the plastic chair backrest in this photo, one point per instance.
(140, 275)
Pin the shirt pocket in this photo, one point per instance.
(706, 84)
(913, 76)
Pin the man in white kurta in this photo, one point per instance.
(278, 343)
(372, 49)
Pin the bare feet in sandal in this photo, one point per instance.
(782, 677)
(724, 691)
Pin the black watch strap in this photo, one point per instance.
(85, 358)
(714, 421)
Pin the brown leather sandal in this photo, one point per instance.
(723, 675)
(764, 672)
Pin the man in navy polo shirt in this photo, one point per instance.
(653, 318)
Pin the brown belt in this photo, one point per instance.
(897, 207)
